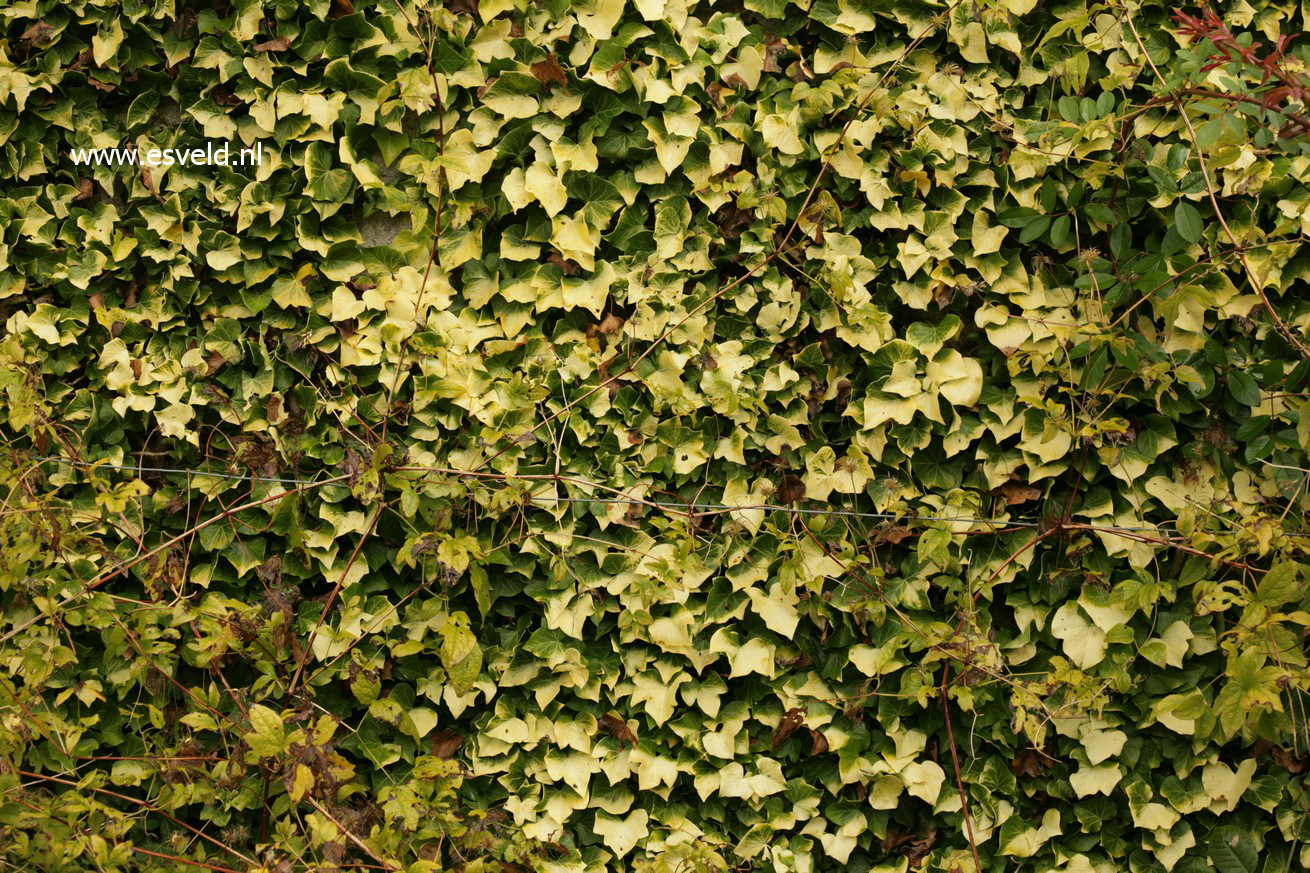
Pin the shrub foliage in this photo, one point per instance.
(664, 435)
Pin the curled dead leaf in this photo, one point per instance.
(616, 727)
(567, 267)
(549, 72)
(791, 720)
(39, 32)
(277, 44)
(446, 743)
(1019, 492)
(891, 533)
(792, 489)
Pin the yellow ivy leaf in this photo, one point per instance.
(304, 781)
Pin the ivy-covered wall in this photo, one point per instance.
(659, 435)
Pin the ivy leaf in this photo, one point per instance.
(1232, 851)
(1279, 585)
(1083, 641)
(481, 589)
(1187, 220)
(1243, 388)
(267, 734)
(302, 782)
(460, 653)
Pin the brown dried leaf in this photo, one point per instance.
(1027, 763)
(791, 720)
(446, 743)
(567, 267)
(270, 572)
(792, 489)
(84, 190)
(891, 533)
(549, 73)
(616, 727)
(818, 742)
(920, 848)
(39, 32)
(277, 44)
(1287, 760)
(732, 220)
(1019, 492)
(611, 323)
(340, 8)
(223, 97)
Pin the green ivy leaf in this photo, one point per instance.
(1243, 388)
(1280, 585)
(460, 653)
(1188, 222)
(1232, 851)
(267, 734)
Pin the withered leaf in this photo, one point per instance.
(446, 743)
(39, 32)
(224, 97)
(1027, 763)
(569, 268)
(616, 727)
(791, 720)
(818, 742)
(891, 533)
(277, 44)
(1287, 760)
(1019, 492)
(611, 323)
(792, 489)
(270, 572)
(549, 73)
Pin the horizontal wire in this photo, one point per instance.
(138, 469)
(684, 507)
(696, 507)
